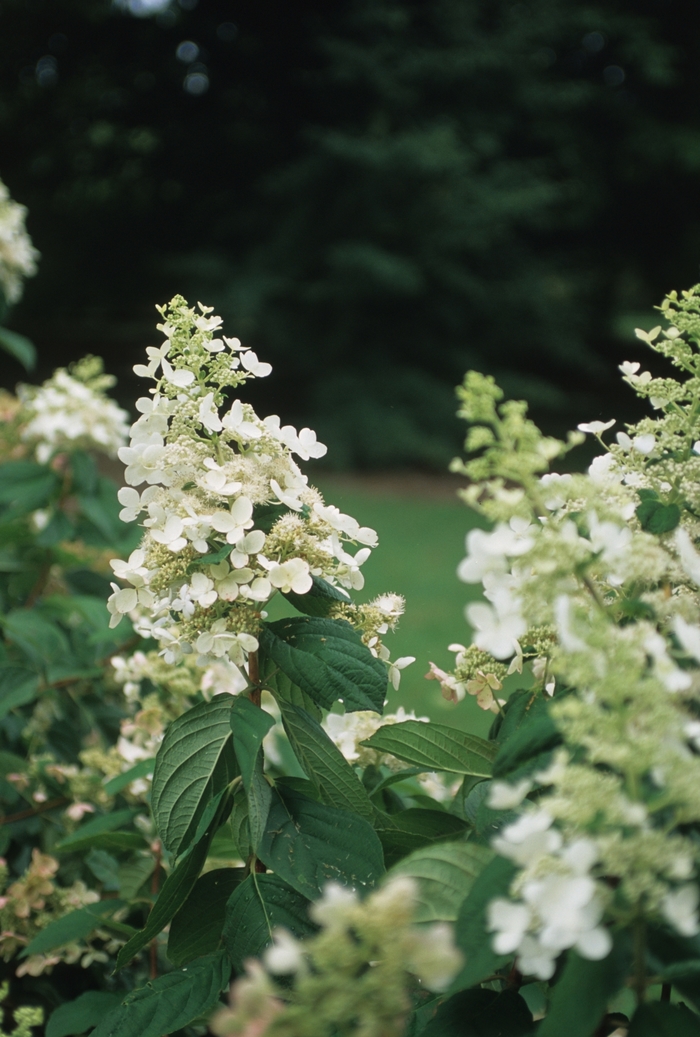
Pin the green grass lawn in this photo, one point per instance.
(421, 542)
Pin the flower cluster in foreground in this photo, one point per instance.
(355, 968)
(230, 519)
(594, 578)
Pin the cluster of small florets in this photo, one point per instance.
(17, 254)
(374, 620)
(31, 902)
(595, 579)
(230, 519)
(360, 966)
(71, 411)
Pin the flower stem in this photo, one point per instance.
(639, 979)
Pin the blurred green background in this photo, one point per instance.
(375, 194)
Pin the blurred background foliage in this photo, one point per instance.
(375, 194)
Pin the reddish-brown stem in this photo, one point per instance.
(254, 678)
(31, 811)
(155, 883)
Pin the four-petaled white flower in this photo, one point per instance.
(596, 428)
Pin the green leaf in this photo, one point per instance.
(285, 690)
(74, 926)
(18, 347)
(175, 891)
(471, 934)
(84, 469)
(536, 733)
(18, 687)
(319, 600)
(309, 844)
(327, 659)
(140, 770)
(97, 826)
(659, 1019)
(445, 873)
(196, 928)
(482, 1013)
(133, 873)
(336, 782)
(435, 747)
(212, 558)
(256, 907)
(249, 724)
(170, 1002)
(194, 762)
(655, 517)
(407, 830)
(80, 1015)
(25, 486)
(580, 998)
(676, 959)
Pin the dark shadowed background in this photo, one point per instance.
(375, 194)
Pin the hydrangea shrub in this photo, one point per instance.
(209, 820)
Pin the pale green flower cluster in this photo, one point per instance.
(17, 254)
(358, 970)
(230, 519)
(71, 411)
(595, 578)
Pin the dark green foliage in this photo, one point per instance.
(327, 660)
(481, 1013)
(255, 908)
(196, 928)
(581, 995)
(309, 844)
(470, 928)
(170, 1002)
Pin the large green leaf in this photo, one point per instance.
(249, 725)
(196, 928)
(535, 735)
(482, 1013)
(176, 888)
(659, 1019)
(285, 690)
(170, 1002)
(18, 687)
(471, 934)
(319, 600)
(260, 904)
(407, 830)
(309, 844)
(81, 1015)
(676, 959)
(435, 747)
(74, 926)
(445, 873)
(19, 347)
(336, 782)
(194, 762)
(327, 659)
(580, 998)
(25, 486)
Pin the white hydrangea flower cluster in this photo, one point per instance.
(595, 578)
(71, 411)
(18, 256)
(230, 519)
(348, 730)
